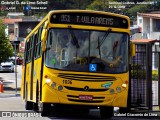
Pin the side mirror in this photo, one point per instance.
(44, 36)
(43, 46)
(132, 49)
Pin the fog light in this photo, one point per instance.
(48, 80)
(53, 85)
(60, 87)
(124, 85)
(112, 91)
(118, 89)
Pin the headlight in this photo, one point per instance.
(111, 91)
(48, 80)
(118, 89)
(60, 87)
(53, 85)
(124, 85)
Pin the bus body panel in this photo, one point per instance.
(28, 80)
(22, 83)
(36, 77)
(52, 95)
(111, 92)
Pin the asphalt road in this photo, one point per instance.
(9, 80)
(12, 105)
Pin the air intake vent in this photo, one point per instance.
(89, 90)
(89, 78)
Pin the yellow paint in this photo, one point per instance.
(52, 95)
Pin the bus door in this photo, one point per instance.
(24, 70)
(32, 65)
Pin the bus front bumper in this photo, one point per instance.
(54, 96)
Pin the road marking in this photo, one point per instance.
(11, 80)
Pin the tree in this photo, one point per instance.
(6, 49)
(101, 5)
(105, 5)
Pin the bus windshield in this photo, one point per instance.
(77, 50)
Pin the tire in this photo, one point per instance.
(28, 104)
(123, 110)
(44, 109)
(84, 110)
(35, 105)
(106, 112)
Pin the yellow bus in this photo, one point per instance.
(77, 58)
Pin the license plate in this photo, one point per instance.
(85, 97)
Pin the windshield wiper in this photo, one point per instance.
(104, 37)
(74, 39)
(99, 48)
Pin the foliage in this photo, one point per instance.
(100, 5)
(68, 4)
(129, 10)
(6, 49)
(137, 8)
(137, 72)
(154, 74)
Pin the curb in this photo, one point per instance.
(5, 95)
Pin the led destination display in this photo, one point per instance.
(89, 19)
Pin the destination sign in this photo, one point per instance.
(89, 19)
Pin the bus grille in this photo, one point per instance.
(88, 78)
(74, 98)
(82, 89)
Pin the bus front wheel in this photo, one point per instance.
(35, 105)
(106, 112)
(44, 109)
(28, 104)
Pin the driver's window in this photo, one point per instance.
(64, 47)
(51, 53)
(106, 53)
(94, 37)
(116, 44)
(106, 47)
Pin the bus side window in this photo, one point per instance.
(39, 49)
(36, 46)
(52, 49)
(50, 39)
